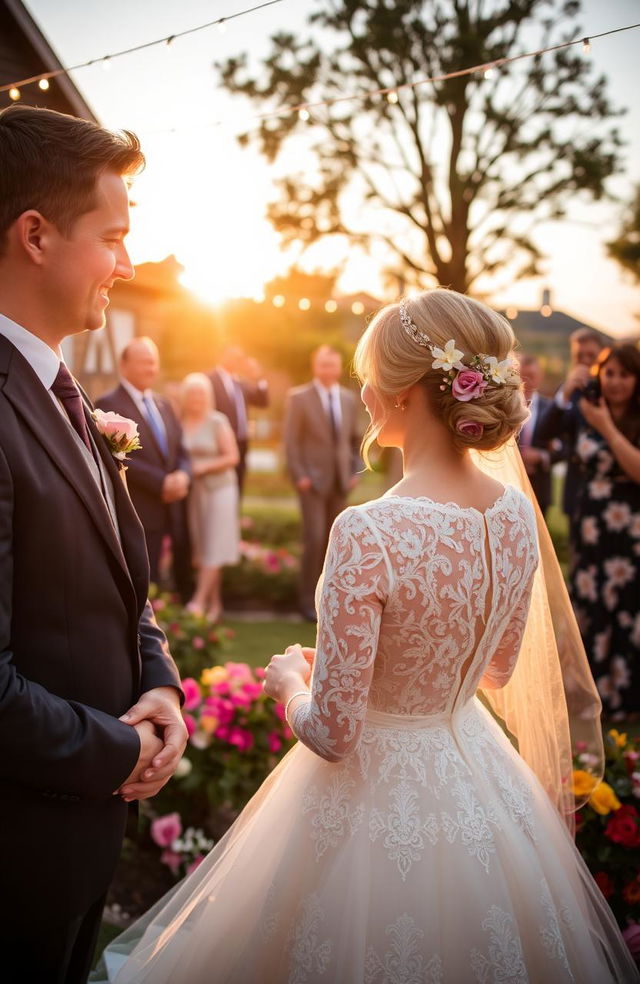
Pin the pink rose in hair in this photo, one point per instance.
(468, 385)
(164, 830)
(470, 428)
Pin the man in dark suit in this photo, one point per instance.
(559, 420)
(159, 473)
(322, 447)
(89, 696)
(538, 455)
(237, 383)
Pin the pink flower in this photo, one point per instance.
(164, 830)
(279, 709)
(190, 723)
(470, 428)
(197, 642)
(274, 741)
(631, 937)
(172, 860)
(260, 672)
(287, 733)
(192, 695)
(195, 864)
(272, 563)
(243, 740)
(468, 385)
(113, 425)
(158, 604)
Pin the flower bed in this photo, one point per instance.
(193, 641)
(236, 737)
(266, 577)
(608, 829)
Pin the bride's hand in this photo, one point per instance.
(286, 673)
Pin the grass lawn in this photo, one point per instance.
(255, 642)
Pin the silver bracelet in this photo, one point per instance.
(298, 693)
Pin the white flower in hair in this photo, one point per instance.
(447, 358)
(499, 372)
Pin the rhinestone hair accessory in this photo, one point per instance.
(465, 382)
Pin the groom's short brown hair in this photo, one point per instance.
(50, 162)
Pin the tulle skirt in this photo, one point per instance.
(431, 854)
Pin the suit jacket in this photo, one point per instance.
(564, 424)
(78, 644)
(541, 477)
(253, 395)
(309, 444)
(148, 467)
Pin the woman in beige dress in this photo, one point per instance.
(213, 500)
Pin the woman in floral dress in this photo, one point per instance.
(605, 575)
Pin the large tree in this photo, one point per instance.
(625, 248)
(454, 175)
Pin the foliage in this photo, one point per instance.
(279, 526)
(450, 178)
(625, 248)
(608, 827)
(265, 577)
(236, 737)
(193, 641)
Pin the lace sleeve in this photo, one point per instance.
(354, 589)
(503, 661)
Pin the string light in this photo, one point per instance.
(304, 115)
(106, 63)
(393, 97)
(43, 84)
(357, 308)
(489, 73)
(331, 307)
(14, 93)
(278, 301)
(304, 303)
(586, 46)
(222, 25)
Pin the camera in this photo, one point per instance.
(592, 391)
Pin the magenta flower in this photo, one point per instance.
(192, 695)
(164, 830)
(243, 740)
(172, 860)
(631, 937)
(190, 723)
(274, 741)
(279, 709)
(195, 864)
(470, 428)
(260, 672)
(197, 642)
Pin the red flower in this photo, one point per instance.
(623, 827)
(604, 883)
(631, 892)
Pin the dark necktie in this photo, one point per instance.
(67, 392)
(156, 429)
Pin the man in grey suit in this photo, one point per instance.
(322, 443)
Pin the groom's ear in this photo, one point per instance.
(32, 235)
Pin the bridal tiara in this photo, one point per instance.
(466, 382)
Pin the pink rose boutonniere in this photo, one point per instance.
(120, 433)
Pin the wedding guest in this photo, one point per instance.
(238, 382)
(585, 347)
(605, 573)
(158, 476)
(213, 501)
(322, 447)
(538, 455)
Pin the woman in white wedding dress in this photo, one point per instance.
(404, 840)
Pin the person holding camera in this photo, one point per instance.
(605, 565)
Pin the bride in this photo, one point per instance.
(404, 839)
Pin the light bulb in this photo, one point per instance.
(14, 94)
(278, 301)
(304, 303)
(357, 307)
(586, 46)
(393, 97)
(331, 307)
(304, 115)
(43, 84)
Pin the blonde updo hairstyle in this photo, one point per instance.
(391, 362)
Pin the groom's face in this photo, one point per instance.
(83, 266)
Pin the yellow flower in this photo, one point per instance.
(620, 740)
(216, 674)
(583, 782)
(603, 799)
(209, 723)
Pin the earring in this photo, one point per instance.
(400, 406)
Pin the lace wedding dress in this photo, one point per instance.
(403, 840)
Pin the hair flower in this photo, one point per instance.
(469, 384)
(470, 428)
(447, 358)
(499, 372)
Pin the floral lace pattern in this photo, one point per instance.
(332, 812)
(309, 955)
(403, 962)
(503, 962)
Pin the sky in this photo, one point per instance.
(203, 198)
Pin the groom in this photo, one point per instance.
(89, 695)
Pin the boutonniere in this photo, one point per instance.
(120, 433)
